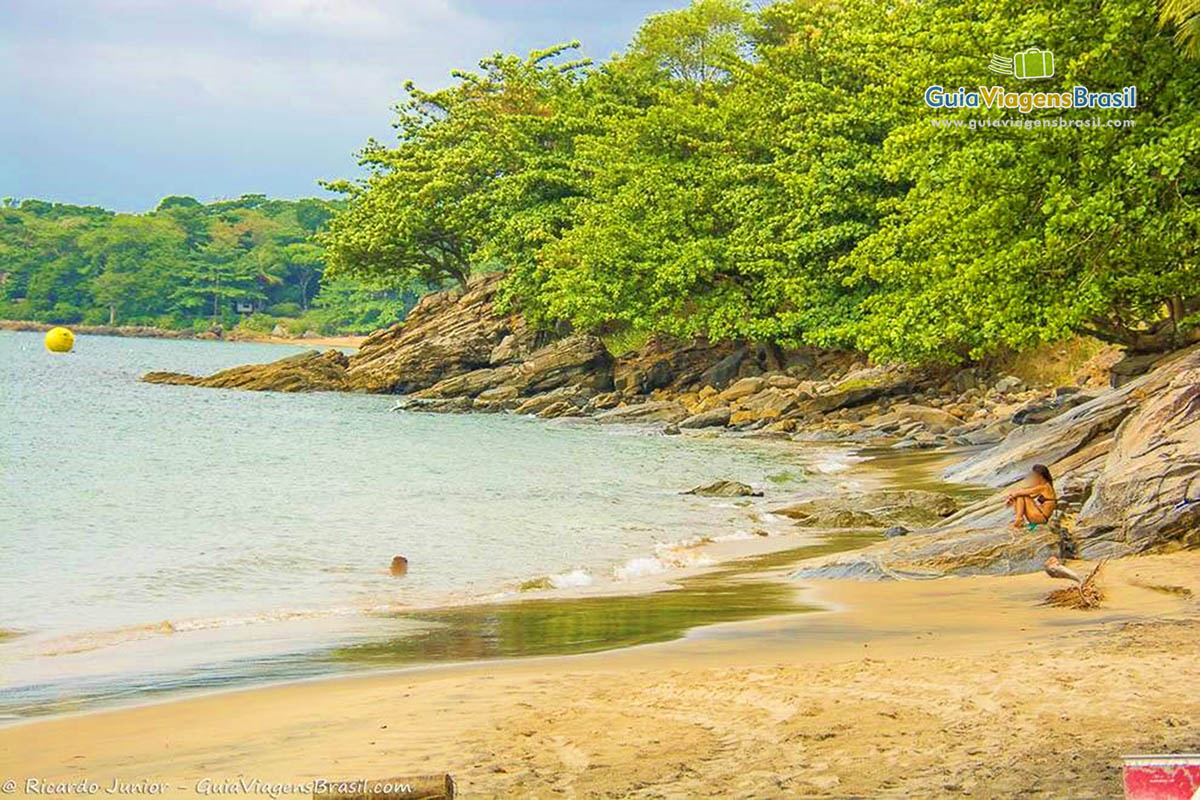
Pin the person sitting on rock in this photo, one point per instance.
(1034, 502)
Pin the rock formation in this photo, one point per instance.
(310, 371)
(1126, 459)
(1127, 470)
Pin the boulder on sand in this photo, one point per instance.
(876, 509)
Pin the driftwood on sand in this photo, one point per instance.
(404, 787)
(1086, 593)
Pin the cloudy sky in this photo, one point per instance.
(120, 102)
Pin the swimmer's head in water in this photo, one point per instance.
(1041, 471)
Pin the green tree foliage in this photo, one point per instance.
(775, 176)
(1184, 17)
(185, 265)
(473, 166)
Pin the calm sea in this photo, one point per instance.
(162, 537)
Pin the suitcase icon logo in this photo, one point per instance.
(1031, 63)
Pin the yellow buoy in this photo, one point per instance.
(59, 340)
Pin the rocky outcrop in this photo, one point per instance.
(717, 417)
(1127, 467)
(579, 361)
(877, 509)
(861, 386)
(665, 362)
(661, 411)
(310, 371)
(447, 334)
(1126, 459)
(454, 345)
(1148, 491)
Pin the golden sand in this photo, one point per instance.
(943, 688)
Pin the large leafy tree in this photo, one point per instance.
(1013, 237)
(471, 162)
(131, 264)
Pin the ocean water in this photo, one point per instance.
(161, 536)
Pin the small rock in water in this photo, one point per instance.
(671, 430)
(894, 531)
(725, 489)
(399, 566)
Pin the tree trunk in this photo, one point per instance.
(112, 313)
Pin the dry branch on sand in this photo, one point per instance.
(1084, 595)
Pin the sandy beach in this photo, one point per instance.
(954, 687)
(340, 342)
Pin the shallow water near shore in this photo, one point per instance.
(732, 592)
(159, 538)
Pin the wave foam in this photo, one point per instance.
(576, 578)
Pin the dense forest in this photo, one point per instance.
(776, 175)
(773, 175)
(250, 262)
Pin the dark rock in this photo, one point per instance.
(666, 362)
(1009, 383)
(1038, 411)
(725, 371)
(604, 401)
(894, 531)
(562, 408)
(577, 360)
(724, 488)
(743, 388)
(988, 434)
(435, 405)
(717, 417)
(671, 430)
(660, 411)
(539, 403)
(1132, 366)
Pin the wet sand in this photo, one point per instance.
(945, 688)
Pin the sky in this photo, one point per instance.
(119, 103)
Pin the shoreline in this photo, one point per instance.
(664, 567)
(945, 680)
(352, 342)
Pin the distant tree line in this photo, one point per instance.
(773, 175)
(252, 261)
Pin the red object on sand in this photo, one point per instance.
(1166, 777)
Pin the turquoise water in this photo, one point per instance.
(161, 535)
